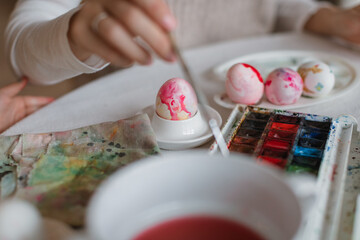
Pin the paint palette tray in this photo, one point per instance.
(305, 143)
(292, 141)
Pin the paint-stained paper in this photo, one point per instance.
(59, 172)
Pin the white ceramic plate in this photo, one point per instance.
(346, 75)
(185, 144)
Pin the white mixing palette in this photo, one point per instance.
(338, 183)
(338, 180)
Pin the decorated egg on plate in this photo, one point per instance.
(176, 100)
(244, 84)
(283, 86)
(318, 78)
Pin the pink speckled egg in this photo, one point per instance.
(283, 86)
(244, 84)
(176, 100)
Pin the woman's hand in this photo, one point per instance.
(107, 28)
(343, 23)
(14, 108)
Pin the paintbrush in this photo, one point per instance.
(201, 99)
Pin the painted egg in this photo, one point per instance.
(244, 84)
(318, 78)
(283, 86)
(176, 100)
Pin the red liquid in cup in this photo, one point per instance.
(199, 228)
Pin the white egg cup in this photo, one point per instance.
(179, 130)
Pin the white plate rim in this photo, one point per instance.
(219, 70)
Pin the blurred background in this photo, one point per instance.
(60, 89)
(346, 3)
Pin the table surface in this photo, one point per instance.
(126, 92)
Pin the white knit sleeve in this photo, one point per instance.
(37, 43)
(293, 14)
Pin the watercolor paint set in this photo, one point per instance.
(292, 141)
(326, 147)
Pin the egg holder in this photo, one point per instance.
(182, 134)
(179, 130)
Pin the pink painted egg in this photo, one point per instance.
(244, 84)
(283, 86)
(176, 100)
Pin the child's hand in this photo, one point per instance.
(107, 28)
(343, 23)
(14, 108)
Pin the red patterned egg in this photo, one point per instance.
(244, 84)
(176, 100)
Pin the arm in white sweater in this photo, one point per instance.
(37, 43)
(293, 14)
